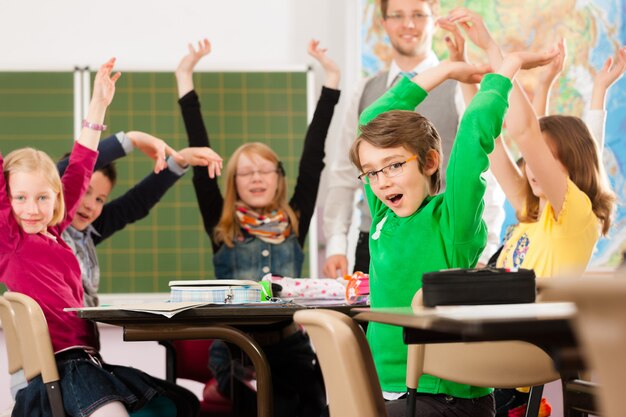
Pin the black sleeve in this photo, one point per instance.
(312, 161)
(209, 197)
(134, 205)
(109, 149)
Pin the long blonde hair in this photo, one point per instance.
(228, 229)
(33, 160)
(574, 146)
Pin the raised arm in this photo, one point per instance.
(312, 158)
(546, 79)
(522, 123)
(210, 201)
(455, 42)
(103, 92)
(184, 71)
(610, 72)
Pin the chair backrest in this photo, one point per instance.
(36, 347)
(600, 326)
(8, 326)
(14, 355)
(344, 355)
(507, 364)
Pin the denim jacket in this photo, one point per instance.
(251, 258)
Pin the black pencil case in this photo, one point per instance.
(478, 286)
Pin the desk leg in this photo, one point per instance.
(147, 332)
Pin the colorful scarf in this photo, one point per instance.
(273, 228)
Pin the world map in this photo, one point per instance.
(593, 30)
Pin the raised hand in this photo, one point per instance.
(203, 157)
(184, 71)
(155, 148)
(104, 83)
(473, 26)
(466, 72)
(189, 61)
(529, 59)
(454, 43)
(330, 67)
(101, 97)
(546, 78)
(460, 71)
(555, 67)
(612, 70)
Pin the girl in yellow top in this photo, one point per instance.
(560, 197)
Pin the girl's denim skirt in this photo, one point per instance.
(86, 385)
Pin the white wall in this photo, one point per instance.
(153, 34)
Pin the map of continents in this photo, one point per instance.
(593, 30)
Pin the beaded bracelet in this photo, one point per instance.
(94, 126)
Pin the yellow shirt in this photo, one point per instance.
(551, 246)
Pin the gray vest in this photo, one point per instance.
(438, 107)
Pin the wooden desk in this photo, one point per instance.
(228, 322)
(546, 325)
(543, 324)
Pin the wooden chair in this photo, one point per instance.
(36, 348)
(352, 384)
(506, 364)
(14, 356)
(600, 326)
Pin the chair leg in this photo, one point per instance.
(53, 389)
(411, 398)
(534, 401)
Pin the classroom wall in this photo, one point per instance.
(151, 35)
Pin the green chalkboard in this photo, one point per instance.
(36, 109)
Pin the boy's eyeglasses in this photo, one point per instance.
(391, 170)
(416, 17)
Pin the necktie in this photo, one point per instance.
(409, 75)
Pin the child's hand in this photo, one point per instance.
(155, 149)
(104, 83)
(612, 70)
(455, 44)
(555, 67)
(530, 59)
(203, 157)
(330, 67)
(514, 61)
(473, 25)
(466, 72)
(189, 61)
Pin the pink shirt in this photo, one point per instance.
(44, 268)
